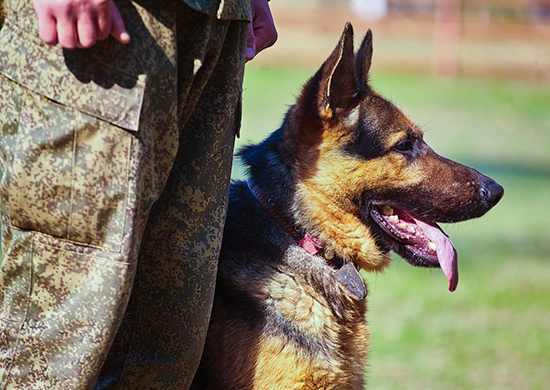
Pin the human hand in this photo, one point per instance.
(261, 31)
(79, 23)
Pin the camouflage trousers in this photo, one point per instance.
(115, 171)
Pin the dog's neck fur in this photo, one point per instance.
(273, 201)
(270, 169)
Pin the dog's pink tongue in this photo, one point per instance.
(446, 252)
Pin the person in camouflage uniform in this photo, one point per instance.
(115, 166)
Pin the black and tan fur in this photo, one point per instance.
(280, 319)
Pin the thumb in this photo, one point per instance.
(118, 31)
(250, 43)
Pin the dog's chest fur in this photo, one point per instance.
(278, 309)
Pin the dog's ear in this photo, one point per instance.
(363, 61)
(338, 84)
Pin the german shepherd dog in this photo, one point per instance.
(344, 181)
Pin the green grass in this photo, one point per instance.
(494, 331)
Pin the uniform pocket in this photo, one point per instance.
(66, 146)
(66, 173)
(59, 307)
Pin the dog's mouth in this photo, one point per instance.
(420, 242)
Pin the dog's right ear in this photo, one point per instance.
(338, 84)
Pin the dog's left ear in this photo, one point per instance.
(363, 61)
(338, 86)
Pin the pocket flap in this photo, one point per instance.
(106, 94)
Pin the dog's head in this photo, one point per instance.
(366, 182)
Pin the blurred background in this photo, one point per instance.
(475, 75)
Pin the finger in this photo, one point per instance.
(104, 19)
(47, 26)
(86, 31)
(250, 43)
(265, 36)
(66, 33)
(265, 32)
(118, 31)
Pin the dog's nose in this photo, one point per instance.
(491, 191)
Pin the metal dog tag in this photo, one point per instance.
(353, 283)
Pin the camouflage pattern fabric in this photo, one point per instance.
(103, 150)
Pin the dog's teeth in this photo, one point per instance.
(432, 246)
(387, 210)
(394, 218)
(412, 229)
(403, 225)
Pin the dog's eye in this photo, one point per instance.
(404, 145)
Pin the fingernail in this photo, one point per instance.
(124, 37)
(250, 53)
